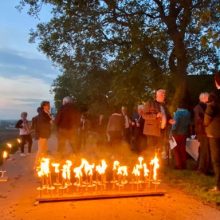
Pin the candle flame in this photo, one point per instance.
(5, 154)
(44, 168)
(78, 172)
(136, 170)
(9, 145)
(18, 140)
(56, 167)
(146, 170)
(66, 172)
(123, 170)
(140, 159)
(155, 163)
(115, 165)
(101, 168)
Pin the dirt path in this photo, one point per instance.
(17, 197)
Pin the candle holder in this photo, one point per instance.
(3, 177)
(156, 184)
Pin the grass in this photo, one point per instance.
(193, 183)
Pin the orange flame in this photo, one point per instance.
(66, 173)
(115, 165)
(146, 170)
(140, 159)
(9, 145)
(78, 172)
(101, 168)
(155, 163)
(123, 170)
(18, 140)
(88, 168)
(5, 154)
(136, 170)
(44, 169)
(56, 167)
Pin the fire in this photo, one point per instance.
(116, 165)
(146, 170)
(78, 172)
(88, 168)
(9, 145)
(44, 168)
(5, 154)
(85, 178)
(155, 164)
(18, 140)
(136, 171)
(140, 159)
(56, 167)
(66, 172)
(123, 170)
(101, 168)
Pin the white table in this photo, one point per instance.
(192, 148)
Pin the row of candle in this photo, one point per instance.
(5, 155)
(91, 175)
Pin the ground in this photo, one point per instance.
(18, 194)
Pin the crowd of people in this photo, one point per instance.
(147, 129)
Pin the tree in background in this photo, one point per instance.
(118, 51)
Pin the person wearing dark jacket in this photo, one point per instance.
(204, 161)
(43, 130)
(67, 122)
(34, 124)
(114, 131)
(137, 123)
(212, 123)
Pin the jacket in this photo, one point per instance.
(212, 116)
(43, 126)
(67, 117)
(182, 119)
(152, 125)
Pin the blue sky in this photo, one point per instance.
(26, 74)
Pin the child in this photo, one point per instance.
(24, 131)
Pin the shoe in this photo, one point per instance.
(22, 155)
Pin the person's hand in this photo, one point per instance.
(159, 115)
(172, 121)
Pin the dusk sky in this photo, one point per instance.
(26, 74)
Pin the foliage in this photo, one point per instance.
(136, 46)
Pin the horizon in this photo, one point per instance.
(26, 75)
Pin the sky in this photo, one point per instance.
(26, 75)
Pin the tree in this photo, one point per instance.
(142, 44)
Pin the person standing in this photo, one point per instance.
(204, 161)
(180, 131)
(138, 138)
(24, 132)
(34, 123)
(115, 129)
(212, 124)
(67, 122)
(43, 130)
(83, 130)
(157, 118)
(127, 132)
